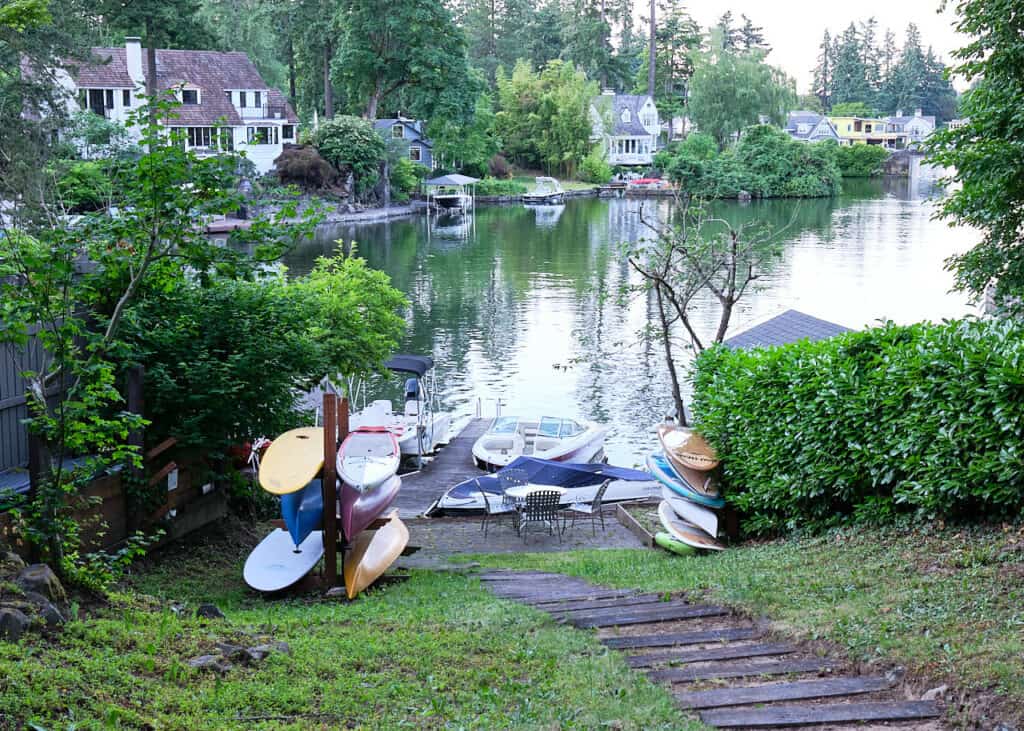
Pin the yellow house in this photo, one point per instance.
(863, 131)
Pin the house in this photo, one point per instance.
(225, 104)
(413, 131)
(911, 131)
(627, 125)
(864, 131)
(810, 127)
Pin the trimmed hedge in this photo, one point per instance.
(926, 418)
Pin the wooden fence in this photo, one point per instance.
(13, 434)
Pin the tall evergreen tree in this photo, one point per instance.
(888, 54)
(822, 81)
(751, 37)
(869, 58)
(903, 90)
(849, 78)
(727, 33)
(677, 44)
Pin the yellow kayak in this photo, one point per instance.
(372, 552)
(292, 460)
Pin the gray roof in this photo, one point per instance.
(418, 127)
(453, 179)
(616, 104)
(802, 117)
(904, 119)
(789, 327)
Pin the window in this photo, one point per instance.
(227, 138)
(228, 95)
(241, 99)
(256, 99)
(262, 135)
(626, 116)
(867, 127)
(415, 153)
(126, 98)
(288, 132)
(200, 137)
(108, 95)
(190, 96)
(398, 131)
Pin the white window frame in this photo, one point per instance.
(418, 153)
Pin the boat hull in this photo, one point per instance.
(359, 508)
(292, 460)
(368, 457)
(661, 468)
(691, 512)
(585, 447)
(686, 449)
(669, 543)
(372, 552)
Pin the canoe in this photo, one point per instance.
(359, 508)
(661, 468)
(686, 447)
(368, 457)
(666, 541)
(292, 460)
(372, 552)
(688, 533)
(691, 512)
(276, 563)
(303, 511)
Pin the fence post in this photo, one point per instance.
(330, 489)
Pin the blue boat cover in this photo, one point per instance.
(303, 511)
(549, 472)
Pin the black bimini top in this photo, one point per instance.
(415, 364)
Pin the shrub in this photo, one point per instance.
(351, 143)
(85, 186)
(498, 167)
(406, 176)
(490, 186)
(594, 168)
(303, 165)
(861, 161)
(925, 418)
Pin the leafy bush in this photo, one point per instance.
(594, 168)
(406, 176)
(925, 418)
(303, 165)
(861, 161)
(490, 186)
(351, 143)
(85, 186)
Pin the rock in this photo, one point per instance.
(261, 651)
(40, 578)
(336, 592)
(10, 563)
(935, 693)
(13, 624)
(233, 652)
(210, 662)
(50, 613)
(896, 674)
(209, 611)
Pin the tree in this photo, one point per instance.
(823, 73)
(903, 89)
(751, 37)
(677, 44)
(587, 44)
(853, 109)
(983, 154)
(888, 55)
(849, 75)
(727, 34)
(407, 49)
(253, 26)
(869, 58)
(466, 146)
(351, 143)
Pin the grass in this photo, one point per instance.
(947, 604)
(437, 651)
(530, 181)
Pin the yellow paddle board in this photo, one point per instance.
(372, 552)
(687, 447)
(292, 460)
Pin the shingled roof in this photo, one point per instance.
(615, 104)
(789, 327)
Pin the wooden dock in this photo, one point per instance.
(452, 465)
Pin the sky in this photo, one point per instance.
(794, 28)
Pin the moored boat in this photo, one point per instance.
(547, 191)
(550, 437)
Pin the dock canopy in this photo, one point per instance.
(415, 364)
(453, 179)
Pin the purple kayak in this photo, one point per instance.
(360, 508)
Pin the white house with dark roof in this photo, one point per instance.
(911, 130)
(225, 104)
(810, 127)
(411, 132)
(628, 126)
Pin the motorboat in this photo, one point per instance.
(580, 481)
(420, 427)
(549, 437)
(546, 191)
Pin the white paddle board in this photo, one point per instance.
(689, 534)
(691, 512)
(275, 564)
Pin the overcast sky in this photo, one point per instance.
(794, 27)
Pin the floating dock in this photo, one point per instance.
(452, 465)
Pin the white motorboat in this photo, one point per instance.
(549, 437)
(547, 191)
(420, 427)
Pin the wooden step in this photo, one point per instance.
(644, 615)
(595, 604)
(669, 639)
(772, 692)
(806, 715)
(597, 594)
(728, 652)
(739, 670)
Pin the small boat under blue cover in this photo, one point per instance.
(581, 481)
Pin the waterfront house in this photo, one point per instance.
(910, 131)
(627, 126)
(411, 131)
(225, 104)
(863, 131)
(810, 127)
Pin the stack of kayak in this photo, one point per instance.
(689, 490)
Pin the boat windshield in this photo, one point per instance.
(505, 425)
(552, 426)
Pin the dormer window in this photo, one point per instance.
(190, 96)
(626, 117)
(398, 131)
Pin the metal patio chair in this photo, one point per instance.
(495, 506)
(541, 508)
(591, 510)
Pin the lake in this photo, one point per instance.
(520, 304)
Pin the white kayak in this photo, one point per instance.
(691, 512)
(368, 457)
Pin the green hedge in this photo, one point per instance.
(861, 161)
(926, 418)
(493, 186)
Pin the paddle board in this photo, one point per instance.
(689, 534)
(691, 512)
(662, 470)
(292, 460)
(666, 541)
(688, 447)
(372, 552)
(276, 564)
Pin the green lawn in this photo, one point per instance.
(437, 651)
(948, 604)
(530, 181)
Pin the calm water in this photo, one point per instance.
(519, 304)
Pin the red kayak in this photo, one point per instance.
(360, 508)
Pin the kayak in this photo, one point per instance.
(372, 552)
(368, 457)
(685, 532)
(685, 447)
(303, 511)
(666, 541)
(691, 512)
(359, 508)
(662, 469)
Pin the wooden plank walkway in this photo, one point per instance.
(725, 670)
(452, 465)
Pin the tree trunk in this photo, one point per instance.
(651, 54)
(291, 72)
(151, 85)
(677, 394)
(373, 103)
(328, 89)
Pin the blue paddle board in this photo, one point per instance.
(662, 470)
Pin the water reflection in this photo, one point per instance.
(525, 309)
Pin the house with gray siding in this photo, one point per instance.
(810, 127)
(412, 132)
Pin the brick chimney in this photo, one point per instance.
(133, 58)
